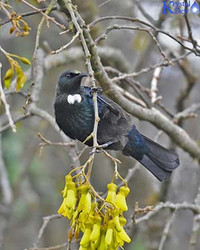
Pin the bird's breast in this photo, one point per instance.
(74, 118)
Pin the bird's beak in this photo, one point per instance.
(83, 74)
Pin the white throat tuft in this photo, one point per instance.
(74, 98)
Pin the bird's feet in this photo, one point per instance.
(99, 148)
(96, 90)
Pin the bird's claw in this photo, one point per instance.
(101, 147)
(95, 150)
(96, 90)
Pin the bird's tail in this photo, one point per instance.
(157, 159)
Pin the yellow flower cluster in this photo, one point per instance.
(102, 223)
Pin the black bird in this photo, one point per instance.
(74, 112)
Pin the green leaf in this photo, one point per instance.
(21, 78)
(8, 77)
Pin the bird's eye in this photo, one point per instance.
(68, 75)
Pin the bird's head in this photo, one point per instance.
(70, 81)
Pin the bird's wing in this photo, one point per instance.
(108, 109)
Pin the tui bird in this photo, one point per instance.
(74, 113)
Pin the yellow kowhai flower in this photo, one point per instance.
(85, 241)
(116, 219)
(120, 201)
(86, 214)
(122, 234)
(70, 198)
(85, 199)
(95, 234)
(109, 233)
(112, 188)
(102, 245)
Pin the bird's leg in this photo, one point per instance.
(99, 148)
(96, 90)
(105, 145)
(94, 150)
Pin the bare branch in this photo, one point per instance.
(169, 205)
(19, 118)
(166, 230)
(79, 29)
(145, 13)
(130, 97)
(154, 83)
(7, 194)
(187, 113)
(191, 80)
(64, 47)
(30, 13)
(39, 28)
(196, 224)
(196, 52)
(190, 35)
(46, 221)
(47, 142)
(152, 67)
(48, 18)
(125, 27)
(57, 247)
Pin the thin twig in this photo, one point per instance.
(44, 14)
(130, 96)
(47, 142)
(196, 224)
(15, 120)
(191, 80)
(46, 221)
(154, 85)
(39, 28)
(125, 18)
(6, 105)
(57, 247)
(64, 47)
(145, 13)
(190, 35)
(151, 67)
(130, 173)
(187, 113)
(7, 194)
(169, 205)
(30, 13)
(91, 75)
(166, 230)
(125, 27)
(104, 3)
